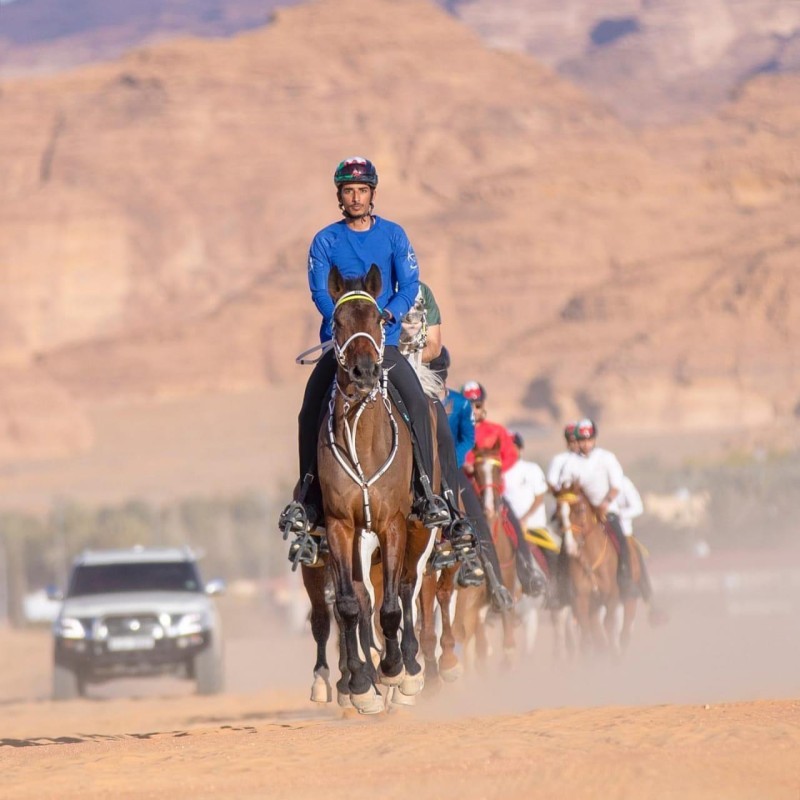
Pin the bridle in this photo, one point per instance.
(339, 350)
(347, 457)
(575, 536)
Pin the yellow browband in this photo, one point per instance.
(567, 497)
(346, 298)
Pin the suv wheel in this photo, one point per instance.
(67, 684)
(207, 669)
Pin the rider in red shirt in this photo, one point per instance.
(487, 434)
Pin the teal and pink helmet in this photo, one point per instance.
(356, 170)
(586, 429)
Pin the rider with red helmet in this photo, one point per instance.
(488, 435)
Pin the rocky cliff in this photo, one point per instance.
(159, 209)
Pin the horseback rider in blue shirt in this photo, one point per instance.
(354, 244)
(458, 409)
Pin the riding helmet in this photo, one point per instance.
(356, 170)
(474, 392)
(586, 429)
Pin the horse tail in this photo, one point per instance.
(432, 384)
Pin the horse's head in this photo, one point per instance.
(488, 477)
(358, 336)
(576, 515)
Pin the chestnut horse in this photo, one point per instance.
(365, 462)
(592, 571)
(468, 628)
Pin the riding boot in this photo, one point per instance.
(531, 580)
(459, 544)
(429, 507)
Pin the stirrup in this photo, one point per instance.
(462, 534)
(470, 572)
(444, 556)
(294, 519)
(433, 510)
(307, 549)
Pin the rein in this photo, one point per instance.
(339, 350)
(574, 549)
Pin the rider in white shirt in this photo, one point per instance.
(525, 490)
(556, 467)
(600, 476)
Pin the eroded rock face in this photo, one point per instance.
(160, 208)
(650, 60)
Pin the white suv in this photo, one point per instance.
(139, 611)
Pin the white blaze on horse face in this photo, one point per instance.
(488, 491)
(566, 526)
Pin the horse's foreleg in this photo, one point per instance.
(427, 631)
(628, 616)
(418, 549)
(340, 542)
(449, 666)
(393, 547)
(314, 581)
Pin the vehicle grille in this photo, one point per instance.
(132, 625)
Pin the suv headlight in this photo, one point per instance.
(195, 622)
(69, 628)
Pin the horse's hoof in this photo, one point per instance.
(321, 691)
(368, 703)
(343, 700)
(398, 698)
(452, 674)
(392, 680)
(411, 686)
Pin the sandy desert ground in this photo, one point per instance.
(706, 707)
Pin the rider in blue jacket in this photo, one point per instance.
(354, 244)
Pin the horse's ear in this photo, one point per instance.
(335, 283)
(373, 283)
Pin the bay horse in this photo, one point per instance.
(365, 463)
(592, 574)
(468, 628)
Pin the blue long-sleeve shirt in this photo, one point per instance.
(384, 244)
(462, 423)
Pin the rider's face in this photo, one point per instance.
(586, 446)
(479, 411)
(572, 445)
(356, 199)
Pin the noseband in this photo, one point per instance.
(340, 350)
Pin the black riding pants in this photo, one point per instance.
(402, 377)
(524, 557)
(622, 540)
(472, 505)
(446, 446)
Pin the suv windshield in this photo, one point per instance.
(159, 576)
